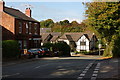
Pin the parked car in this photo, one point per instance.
(33, 52)
(44, 52)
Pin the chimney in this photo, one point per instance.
(28, 12)
(2, 3)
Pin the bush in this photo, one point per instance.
(116, 47)
(63, 48)
(10, 49)
(48, 45)
(113, 49)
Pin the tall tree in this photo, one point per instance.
(104, 16)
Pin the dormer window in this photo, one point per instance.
(20, 27)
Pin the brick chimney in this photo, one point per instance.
(28, 12)
(2, 3)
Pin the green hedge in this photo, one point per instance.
(62, 47)
(10, 49)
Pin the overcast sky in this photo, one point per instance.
(52, 10)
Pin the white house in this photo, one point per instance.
(83, 41)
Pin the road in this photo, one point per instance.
(71, 68)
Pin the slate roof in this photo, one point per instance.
(69, 37)
(75, 36)
(44, 36)
(18, 14)
(54, 38)
(54, 35)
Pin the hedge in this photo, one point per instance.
(10, 49)
(62, 47)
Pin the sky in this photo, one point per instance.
(56, 11)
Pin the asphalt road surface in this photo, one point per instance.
(67, 68)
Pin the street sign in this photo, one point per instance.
(100, 45)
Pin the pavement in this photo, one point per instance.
(78, 56)
(63, 68)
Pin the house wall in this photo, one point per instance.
(67, 41)
(8, 26)
(26, 39)
(82, 47)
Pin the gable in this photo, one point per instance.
(83, 38)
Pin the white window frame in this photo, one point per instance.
(27, 28)
(30, 27)
(35, 28)
(20, 27)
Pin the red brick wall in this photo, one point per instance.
(8, 24)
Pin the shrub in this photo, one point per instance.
(10, 49)
(113, 49)
(116, 47)
(63, 48)
(48, 45)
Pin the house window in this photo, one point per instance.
(20, 27)
(35, 43)
(30, 28)
(35, 28)
(25, 44)
(26, 27)
(20, 44)
(83, 43)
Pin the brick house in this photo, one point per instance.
(19, 26)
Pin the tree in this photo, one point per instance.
(104, 17)
(47, 23)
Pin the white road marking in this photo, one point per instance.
(41, 66)
(79, 77)
(37, 67)
(96, 69)
(82, 74)
(94, 75)
(11, 75)
(84, 71)
(93, 78)
(95, 72)
(87, 67)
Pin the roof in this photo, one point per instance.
(54, 38)
(75, 36)
(56, 33)
(18, 14)
(45, 30)
(69, 37)
(44, 36)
